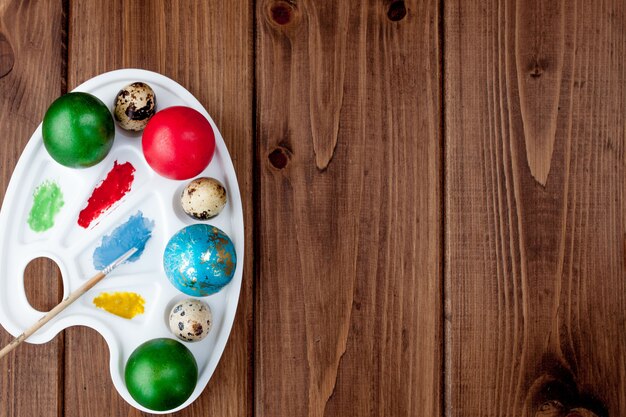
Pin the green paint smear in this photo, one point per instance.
(47, 202)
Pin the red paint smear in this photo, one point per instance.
(115, 186)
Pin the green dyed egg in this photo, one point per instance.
(161, 374)
(78, 130)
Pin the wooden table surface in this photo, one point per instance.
(434, 199)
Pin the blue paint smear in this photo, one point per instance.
(132, 234)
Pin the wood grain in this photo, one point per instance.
(40, 275)
(384, 212)
(206, 47)
(535, 278)
(7, 56)
(349, 149)
(30, 78)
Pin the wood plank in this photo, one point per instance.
(535, 274)
(30, 79)
(207, 47)
(349, 148)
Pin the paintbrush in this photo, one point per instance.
(75, 295)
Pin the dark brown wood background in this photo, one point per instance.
(433, 195)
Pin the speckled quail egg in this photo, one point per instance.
(203, 198)
(191, 320)
(135, 104)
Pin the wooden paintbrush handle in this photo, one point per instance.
(52, 313)
(75, 295)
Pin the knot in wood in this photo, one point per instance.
(396, 11)
(279, 158)
(281, 13)
(537, 67)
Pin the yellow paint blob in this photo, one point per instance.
(123, 304)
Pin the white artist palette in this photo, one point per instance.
(72, 247)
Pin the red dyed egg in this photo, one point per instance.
(178, 142)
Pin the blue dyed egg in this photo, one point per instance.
(200, 260)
